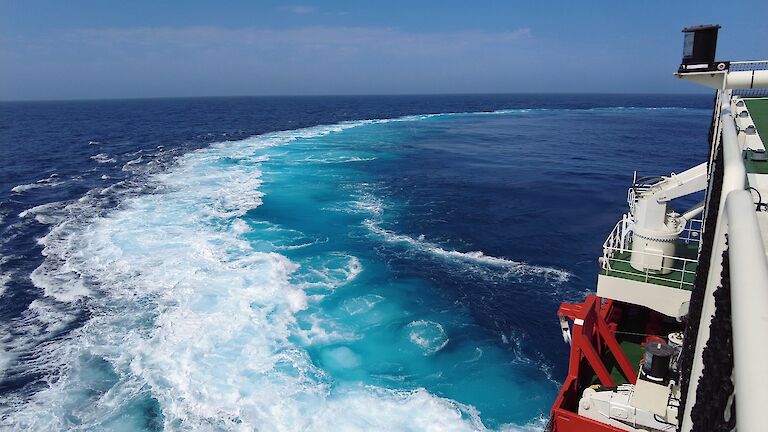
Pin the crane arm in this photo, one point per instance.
(677, 185)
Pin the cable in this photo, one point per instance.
(638, 334)
(656, 417)
(759, 205)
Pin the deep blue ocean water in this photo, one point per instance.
(309, 263)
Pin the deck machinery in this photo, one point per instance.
(676, 336)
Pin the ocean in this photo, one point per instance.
(379, 263)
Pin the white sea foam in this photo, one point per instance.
(368, 203)
(51, 181)
(323, 331)
(427, 335)
(510, 267)
(46, 214)
(103, 158)
(360, 305)
(296, 246)
(337, 160)
(128, 166)
(5, 360)
(184, 315)
(329, 272)
(4, 279)
(537, 425)
(240, 226)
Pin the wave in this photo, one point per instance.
(361, 305)
(51, 181)
(161, 312)
(328, 272)
(537, 425)
(129, 166)
(427, 335)
(337, 160)
(103, 158)
(507, 111)
(5, 278)
(43, 212)
(510, 267)
(366, 202)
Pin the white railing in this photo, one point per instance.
(749, 302)
(749, 279)
(675, 276)
(619, 242)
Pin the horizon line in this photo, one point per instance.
(108, 99)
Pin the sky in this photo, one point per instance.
(51, 50)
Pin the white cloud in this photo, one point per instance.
(375, 38)
(145, 61)
(301, 9)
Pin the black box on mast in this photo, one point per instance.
(699, 47)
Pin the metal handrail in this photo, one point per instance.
(748, 285)
(619, 239)
(619, 242)
(749, 309)
(654, 278)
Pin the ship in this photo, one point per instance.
(675, 336)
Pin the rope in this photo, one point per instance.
(638, 334)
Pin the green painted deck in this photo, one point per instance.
(621, 269)
(754, 166)
(634, 352)
(630, 335)
(758, 110)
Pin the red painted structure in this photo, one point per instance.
(593, 329)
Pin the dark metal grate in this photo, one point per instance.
(748, 66)
(751, 93)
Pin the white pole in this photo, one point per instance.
(749, 311)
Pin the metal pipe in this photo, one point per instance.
(747, 79)
(734, 173)
(749, 310)
(734, 178)
(693, 211)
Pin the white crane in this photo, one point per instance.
(656, 226)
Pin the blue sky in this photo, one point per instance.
(119, 49)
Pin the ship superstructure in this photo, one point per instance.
(676, 336)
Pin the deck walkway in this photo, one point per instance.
(620, 268)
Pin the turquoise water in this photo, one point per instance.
(370, 324)
(367, 275)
